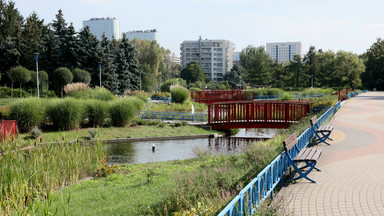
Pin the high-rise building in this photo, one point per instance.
(142, 35)
(214, 56)
(236, 58)
(283, 52)
(108, 26)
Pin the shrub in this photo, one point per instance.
(122, 112)
(65, 114)
(179, 94)
(92, 132)
(62, 76)
(97, 94)
(6, 92)
(285, 97)
(137, 102)
(81, 76)
(29, 113)
(35, 133)
(73, 87)
(96, 112)
(20, 75)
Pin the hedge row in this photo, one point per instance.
(69, 113)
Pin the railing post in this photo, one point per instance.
(209, 113)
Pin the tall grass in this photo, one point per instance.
(27, 176)
(122, 112)
(96, 93)
(96, 112)
(65, 114)
(29, 113)
(179, 94)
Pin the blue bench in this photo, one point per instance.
(321, 132)
(309, 156)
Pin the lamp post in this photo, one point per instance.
(312, 81)
(100, 73)
(140, 81)
(241, 84)
(36, 55)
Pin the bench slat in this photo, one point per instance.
(311, 154)
(290, 142)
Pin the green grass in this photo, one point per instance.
(119, 132)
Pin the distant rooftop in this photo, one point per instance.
(139, 31)
(107, 18)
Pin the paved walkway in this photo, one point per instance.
(352, 177)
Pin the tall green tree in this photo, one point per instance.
(234, 78)
(312, 65)
(108, 68)
(257, 65)
(348, 68)
(20, 75)
(327, 69)
(295, 72)
(373, 77)
(192, 73)
(10, 19)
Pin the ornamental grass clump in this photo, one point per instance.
(96, 93)
(28, 176)
(96, 111)
(74, 87)
(179, 94)
(28, 113)
(122, 112)
(65, 114)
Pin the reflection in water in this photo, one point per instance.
(257, 132)
(231, 144)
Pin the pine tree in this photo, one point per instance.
(108, 71)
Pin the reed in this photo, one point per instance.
(27, 176)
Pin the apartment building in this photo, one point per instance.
(142, 34)
(283, 52)
(108, 26)
(214, 56)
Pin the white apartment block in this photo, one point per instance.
(108, 26)
(214, 56)
(142, 35)
(283, 52)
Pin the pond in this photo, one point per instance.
(141, 152)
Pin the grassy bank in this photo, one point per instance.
(159, 129)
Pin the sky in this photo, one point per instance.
(352, 25)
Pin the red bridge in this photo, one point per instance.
(210, 96)
(256, 114)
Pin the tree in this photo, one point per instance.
(348, 68)
(233, 77)
(257, 65)
(108, 72)
(10, 20)
(294, 69)
(43, 81)
(20, 75)
(62, 76)
(327, 69)
(374, 72)
(192, 73)
(277, 75)
(311, 63)
(82, 76)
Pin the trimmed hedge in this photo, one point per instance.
(29, 113)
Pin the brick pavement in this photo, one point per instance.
(352, 177)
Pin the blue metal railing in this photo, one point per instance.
(197, 117)
(263, 185)
(165, 99)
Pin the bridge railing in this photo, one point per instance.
(196, 117)
(212, 96)
(261, 187)
(274, 113)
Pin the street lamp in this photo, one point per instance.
(241, 84)
(36, 55)
(312, 81)
(140, 81)
(100, 72)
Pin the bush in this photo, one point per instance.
(73, 87)
(92, 132)
(179, 94)
(29, 113)
(6, 92)
(35, 133)
(96, 112)
(81, 76)
(137, 102)
(65, 114)
(97, 94)
(122, 112)
(61, 77)
(285, 97)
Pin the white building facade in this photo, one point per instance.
(283, 52)
(214, 56)
(108, 26)
(142, 35)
